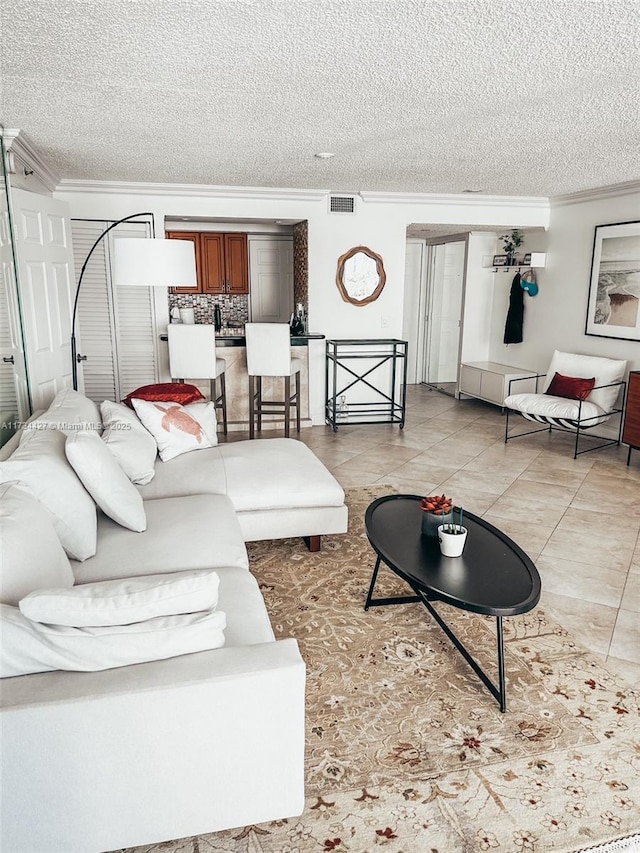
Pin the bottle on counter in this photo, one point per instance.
(217, 318)
(302, 320)
(295, 325)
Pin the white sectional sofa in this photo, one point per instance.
(137, 754)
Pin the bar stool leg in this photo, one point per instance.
(251, 406)
(223, 396)
(298, 401)
(287, 405)
(259, 409)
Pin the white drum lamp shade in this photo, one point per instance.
(140, 262)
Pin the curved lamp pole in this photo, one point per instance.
(140, 262)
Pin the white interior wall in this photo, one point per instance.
(478, 298)
(380, 222)
(555, 318)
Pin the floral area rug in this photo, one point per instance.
(406, 749)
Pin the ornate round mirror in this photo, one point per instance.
(361, 276)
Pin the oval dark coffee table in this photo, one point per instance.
(493, 577)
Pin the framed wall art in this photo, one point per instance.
(613, 308)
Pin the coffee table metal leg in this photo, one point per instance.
(372, 584)
(500, 692)
(380, 602)
(501, 682)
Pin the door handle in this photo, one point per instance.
(8, 359)
(80, 358)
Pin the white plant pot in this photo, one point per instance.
(452, 543)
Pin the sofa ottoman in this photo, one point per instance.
(278, 486)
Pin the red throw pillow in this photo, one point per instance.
(571, 387)
(166, 392)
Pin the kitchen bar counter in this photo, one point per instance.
(231, 339)
(312, 378)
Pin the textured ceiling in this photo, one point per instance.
(532, 97)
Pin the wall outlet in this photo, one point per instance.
(384, 322)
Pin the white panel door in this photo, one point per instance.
(46, 281)
(445, 301)
(271, 279)
(14, 387)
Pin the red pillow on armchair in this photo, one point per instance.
(570, 387)
(166, 392)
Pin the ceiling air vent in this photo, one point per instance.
(342, 204)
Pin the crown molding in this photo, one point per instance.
(18, 146)
(192, 190)
(472, 200)
(597, 194)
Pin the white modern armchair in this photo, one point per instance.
(577, 393)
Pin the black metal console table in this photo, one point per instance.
(345, 370)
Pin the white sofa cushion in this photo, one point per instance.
(178, 429)
(40, 463)
(289, 475)
(240, 598)
(132, 445)
(35, 647)
(105, 480)
(201, 473)
(69, 412)
(31, 556)
(191, 532)
(558, 408)
(122, 602)
(604, 370)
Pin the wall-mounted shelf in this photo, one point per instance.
(538, 261)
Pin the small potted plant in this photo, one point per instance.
(436, 510)
(511, 243)
(452, 537)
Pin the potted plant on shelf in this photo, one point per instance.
(436, 510)
(511, 243)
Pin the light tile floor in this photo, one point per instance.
(579, 520)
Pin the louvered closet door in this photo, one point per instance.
(117, 326)
(14, 389)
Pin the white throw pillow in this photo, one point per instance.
(69, 412)
(132, 445)
(41, 464)
(105, 480)
(178, 429)
(121, 602)
(33, 647)
(31, 556)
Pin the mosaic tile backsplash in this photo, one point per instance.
(234, 309)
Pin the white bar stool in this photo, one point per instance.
(269, 354)
(192, 355)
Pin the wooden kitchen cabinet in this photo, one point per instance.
(236, 263)
(221, 261)
(631, 423)
(194, 237)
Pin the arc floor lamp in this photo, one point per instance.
(139, 262)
